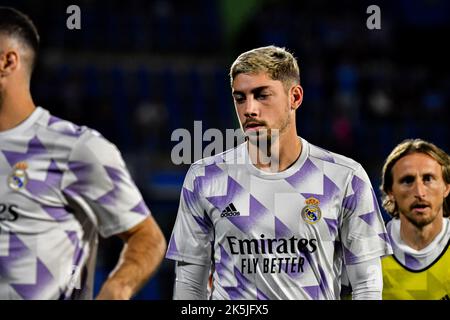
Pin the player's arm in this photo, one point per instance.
(366, 279)
(143, 251)
(191, 281)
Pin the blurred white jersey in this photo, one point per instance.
(279, 235)
(60, 185)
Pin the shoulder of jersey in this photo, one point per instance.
(66, 128)
(228, 156)
(331, 157)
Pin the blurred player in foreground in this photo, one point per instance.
(61, 185)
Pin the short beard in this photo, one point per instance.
(420, 223)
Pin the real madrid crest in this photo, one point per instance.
(18, 179)
(311, 212)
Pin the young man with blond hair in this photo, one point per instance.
(276, 217)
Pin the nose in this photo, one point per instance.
(419, 189)
(251, 109)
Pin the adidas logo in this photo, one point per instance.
(230, 211)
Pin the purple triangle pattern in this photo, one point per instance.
(307, 169)
(172, 250)
(35, 148)
(223, 263)
(82, 171)
(33, 291)
(329, 191)
(111, 196)
(243, 285)
(52, 181)
(350, 202)
(234, 189)
(141, 208)
(247, 223)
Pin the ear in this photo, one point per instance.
(446, 190)
(391, 197)
(9, 62)
(296, 96)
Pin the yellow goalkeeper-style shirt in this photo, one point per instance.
(409, 277)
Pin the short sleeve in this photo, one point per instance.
(97, 177)
(363, 233)
(193, 234)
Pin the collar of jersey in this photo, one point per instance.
(440, 239)
(24, 125)
(278, 175)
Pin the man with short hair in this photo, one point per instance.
(276, 217)
(61, 185)
(416, 187)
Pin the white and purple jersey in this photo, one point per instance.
(60, 185)
(282, 235)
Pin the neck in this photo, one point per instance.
(285, 150)
(419, 237)
(15, 107)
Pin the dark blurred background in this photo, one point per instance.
(138, 70)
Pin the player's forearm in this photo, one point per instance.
(366, 279)
(139, 259)
(191, 281)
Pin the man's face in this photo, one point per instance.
(418, 189)
(261, 104)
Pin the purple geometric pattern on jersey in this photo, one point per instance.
(73, 236)
(350, 202)
(53, 120)
(411, 262)
(81, 170)
(234, 189)
(243, 285)
(190, 198)
(17, 251)
(385, 237)
(52, 181)
(247, 223)
(35, 148)
(323, 282)
(369, 218)
(281, 230)
(111, 196)
(69, 129)
(223, 264)
(212, 172)
(329, 191)
(204, 223)
(307, 169)
(172, 251)
(141, 208)
(327, 156)
(332, 226)
(57, 213)
(260, 295)
(312, 291)
(350, 258)
(32, 291)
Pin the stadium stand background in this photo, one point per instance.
(137, 70)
